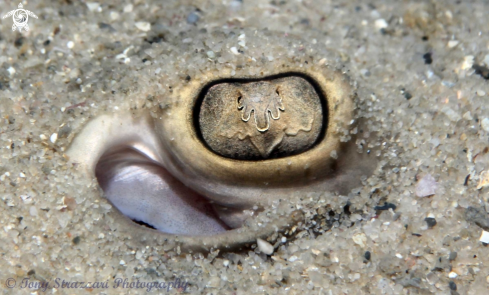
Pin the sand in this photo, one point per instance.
(412, 227)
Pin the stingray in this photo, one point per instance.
(203, 168)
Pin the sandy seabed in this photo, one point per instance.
(414, 226)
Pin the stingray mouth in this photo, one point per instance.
(225, 152)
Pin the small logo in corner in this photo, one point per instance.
(20, 17)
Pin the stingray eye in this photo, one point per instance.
(266, 124)
(248, 141)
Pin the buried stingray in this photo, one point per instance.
(228, 147)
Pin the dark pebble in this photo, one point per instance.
(386, 206)
(47, 42)
(19, 41)
(452, 285)
(425, 38)
(31, 272)
(428, 59)
(430, 221)
(478, 216)
(413, 282)
(51, 69)
(367, 255)
(64, 131)
(76, 240)
(192, 18)
(105, 26)
(156, 39)
(481, 70)
(407, 95)
(452, 256)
